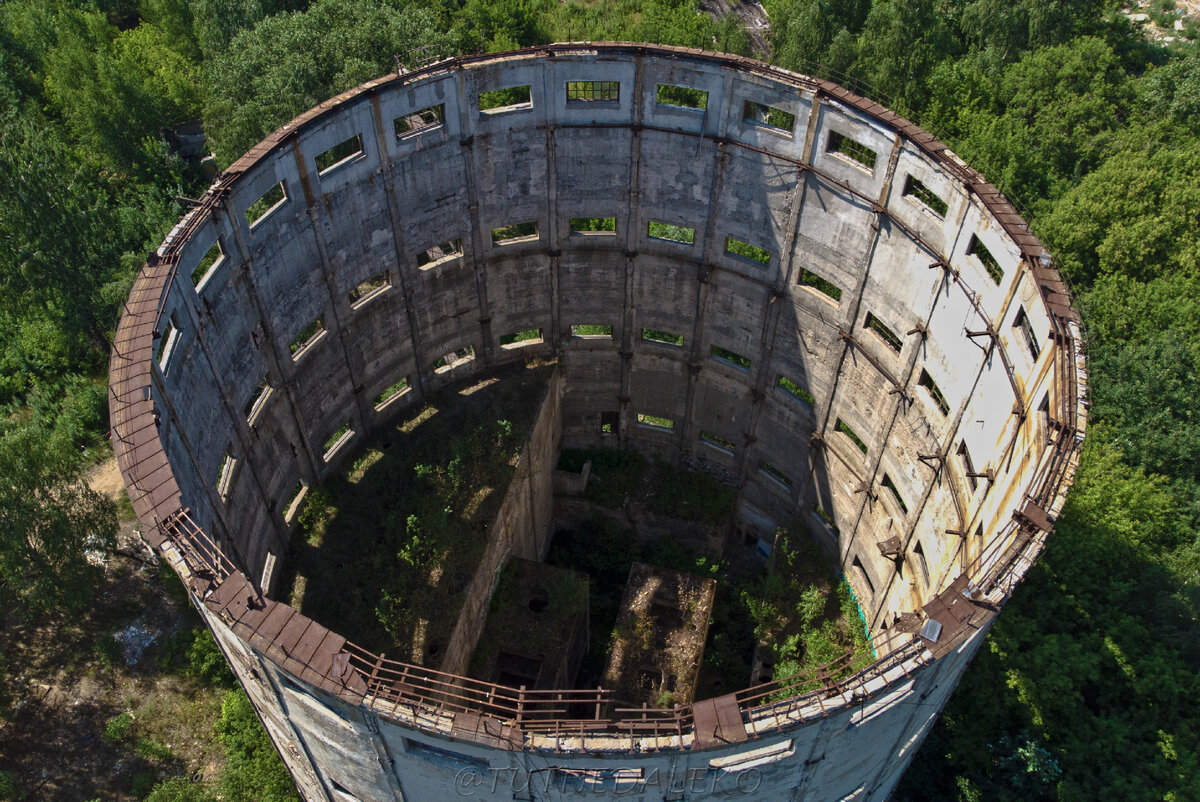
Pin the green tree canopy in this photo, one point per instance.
(49, 522)
(290, 62)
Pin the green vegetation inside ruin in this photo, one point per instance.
(1086, 686)
(384, 550)
(658, 639)
(796, 606)
(805, 613)
(666, 489)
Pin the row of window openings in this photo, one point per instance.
(584, 226)
(893, 341)
(422, 120)
(716, 441)
(671, 95)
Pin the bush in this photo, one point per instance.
(180, 789)
(118, 727)
(253, 770)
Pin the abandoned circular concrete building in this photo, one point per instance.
(791, 285)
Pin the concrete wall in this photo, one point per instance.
(861, 292)
(521, 527)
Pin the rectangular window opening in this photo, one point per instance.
(656, 422)
(419, 121)
(211, 261)
(369, 289)
(519, 232)
(1031, 342)
(670, 233)
(745, 250)
(811, 279)
(592, 331)
(256, 402)
(841, 426)
(594, 225)
(662, 337)
(935, 393)
(593, 91)
(454, 359)
(268, 570)
(796, 390)
(922, 563)
(977, 249)
(294, 500)
(851, 149)
(774, 474)
(891, 486)
(267, 203)
(860, 573)
(927, 197)
(439, 253)
(391, 393)
(513, 98)
(225, 478)
(337, 440)
(308, 336)
(968, 466)
(719, 443)
(725, 355)
(768, 117)
(826, 518)
(520, 339)
(166, 344)
(885, 333)
(609, 422)
(682, 97)
(752, 758)
(342, 153)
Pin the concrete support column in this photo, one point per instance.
(279, 360)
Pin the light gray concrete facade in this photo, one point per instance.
(871, 341)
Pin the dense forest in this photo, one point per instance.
(1087, 687)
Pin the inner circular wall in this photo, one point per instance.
(905, 301)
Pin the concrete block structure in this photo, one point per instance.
(802, 291)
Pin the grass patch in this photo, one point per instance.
(691, 495)
(615, 474)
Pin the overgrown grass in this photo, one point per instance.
(615, 474)
(691, 495)
(804, 612)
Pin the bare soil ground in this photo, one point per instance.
(64, 680)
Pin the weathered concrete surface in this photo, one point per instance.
(892, 361)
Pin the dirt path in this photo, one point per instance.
(105, 478)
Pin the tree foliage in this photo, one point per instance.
(289, 62)
(1086, 687)
(49, 522)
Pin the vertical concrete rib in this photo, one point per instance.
(338, 302)
(405, 265)
(633, 235)
(309, 464)
(237, 422)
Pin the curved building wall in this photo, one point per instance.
(872, 341)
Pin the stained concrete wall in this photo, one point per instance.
(862, 290)
(521, 527)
